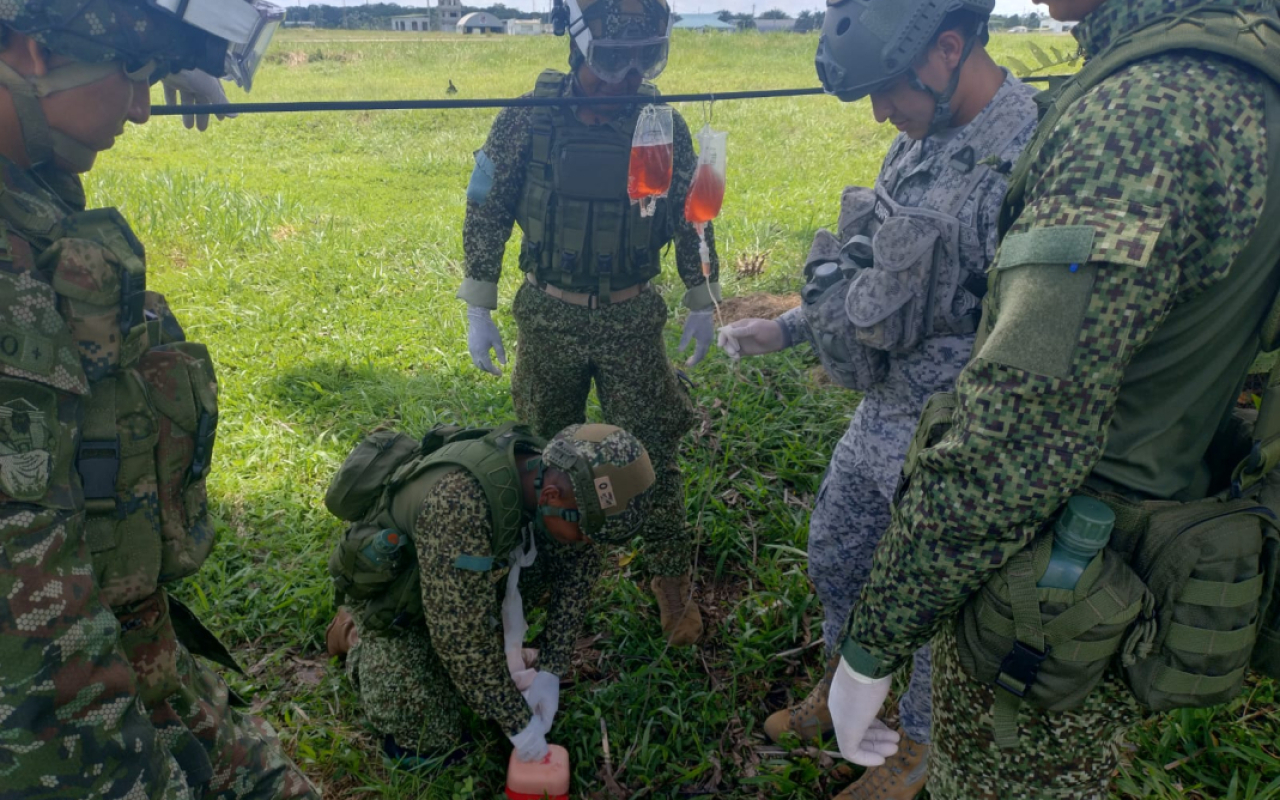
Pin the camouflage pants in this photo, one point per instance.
(226, 754)
(1060, 756)
(849, 517)
(405, 690)
(564, 348)
(71, 721)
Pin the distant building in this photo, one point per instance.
(448, 13)
(704, 22)
(774, 25)
(524, 27)
(1050, 25)
(411, 22)
(481, 22)
(1018, 29)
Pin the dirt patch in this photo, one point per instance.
(761, 304)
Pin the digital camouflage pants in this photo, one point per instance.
(1060, 755)
(564, 348)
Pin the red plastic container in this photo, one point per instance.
(548, 778)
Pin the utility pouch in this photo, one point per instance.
(891, 304)
(183, 390)
(1203, 562)
(848, 361)
(384, 592)
(1051, 647)
(359, 481)
(150, 643)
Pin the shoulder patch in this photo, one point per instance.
(1063, 244)
(481, 182)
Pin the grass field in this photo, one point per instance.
(318, 254)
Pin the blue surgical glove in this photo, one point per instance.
(544, 696)
(752, 337)
(699, 327)
(195, 88)
(483, 336)
(854, 702)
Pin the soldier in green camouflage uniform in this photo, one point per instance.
(107, 424)
(1130, 219)
(415, 678)
(587, 312)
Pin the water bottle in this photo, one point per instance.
(1082, 530)
(384, 549)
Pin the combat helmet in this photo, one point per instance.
(615, 37)
(147, 39)
(868, 44)
(612, 480)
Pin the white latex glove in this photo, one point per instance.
(854, 702)
(195, 88)
(483, 336)
(544, 696)
(751, 337)
(699, 328)
(531, 743)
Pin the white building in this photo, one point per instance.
(448, 12)
(411, 22)
(773, 25)
(480, 22)
(524, 27)
(1050, 25)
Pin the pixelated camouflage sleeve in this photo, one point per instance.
(1091, 268)
(461, 606)
(565, 573)
(493, 194)
(688, 261)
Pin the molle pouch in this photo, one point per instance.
(850, 363)
(384, 592)
(150, 643)
(857, 212)
(1051, 647)
(359, 482)
(1203, 562)
(891, 303)
(184, 391)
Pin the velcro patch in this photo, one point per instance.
(26, 350)
(605, 493)
(1063, 244)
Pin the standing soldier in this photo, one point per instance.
(108, 425)
(960, 117)
(1127, 302)
(489, 516)
(586, 311)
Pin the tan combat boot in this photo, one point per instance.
(681, 619)
(341, 635)
(809, 719)
(900, 777)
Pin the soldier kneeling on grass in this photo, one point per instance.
(446, 534)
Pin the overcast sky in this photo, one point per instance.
(683, 6)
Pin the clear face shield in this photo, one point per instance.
(246, 26)
(613, 59)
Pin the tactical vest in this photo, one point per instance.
(581, 232)
(380, 489)
(1211, 565)
(149, 401)
(901, 267)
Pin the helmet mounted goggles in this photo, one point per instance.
(636, 46)
(247, 27)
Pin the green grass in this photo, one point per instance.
(318, 254)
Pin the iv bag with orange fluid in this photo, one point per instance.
(652, 151)
(706, 194)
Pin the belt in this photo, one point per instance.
(586, 299)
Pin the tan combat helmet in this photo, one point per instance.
(611, 476)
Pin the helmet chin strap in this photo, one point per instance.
(544, 511)
(942, 100)
(43, 143)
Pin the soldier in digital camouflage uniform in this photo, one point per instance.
(945, 160)
(1125, 224)
(107, 424)
(587, 312)
(415, 677)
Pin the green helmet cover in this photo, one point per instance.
(612, 478)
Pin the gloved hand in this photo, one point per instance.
(531, 743)
(854, 702)
(483, 336)
(544, 696)
(751, 337)
(195, 88)
(699, 327)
